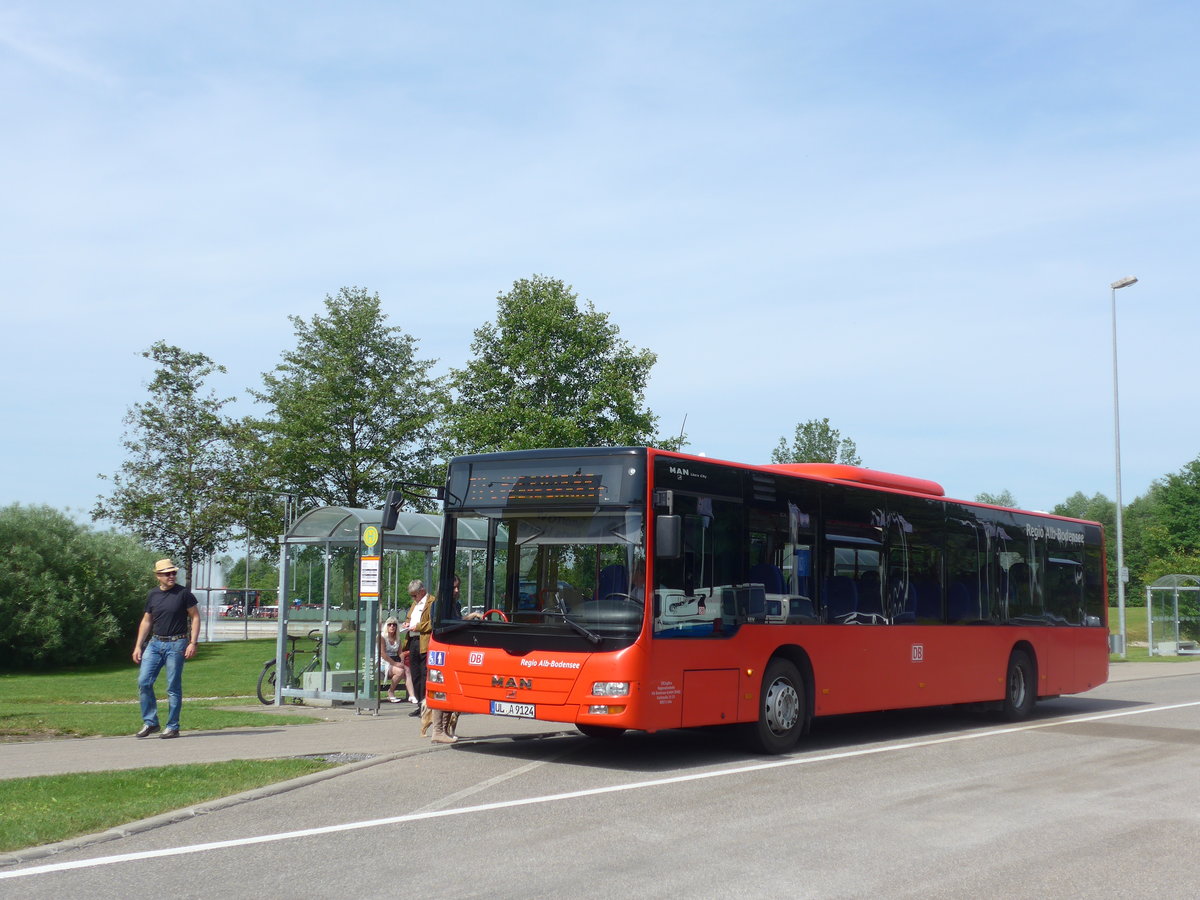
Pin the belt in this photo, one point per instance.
(170, 637)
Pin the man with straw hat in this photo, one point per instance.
(167, 635)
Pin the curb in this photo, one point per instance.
(179, 815)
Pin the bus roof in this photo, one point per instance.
(859, 475)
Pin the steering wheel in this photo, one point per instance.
(499, 612)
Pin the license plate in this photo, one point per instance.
(520, 710)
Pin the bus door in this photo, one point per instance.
(700, 599)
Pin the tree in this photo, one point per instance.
(177, 490)
(1004, 498)
(68, 595)
(548, 373)
(352, 409)
(1096, 508)
(816, 441)
(1177, 513)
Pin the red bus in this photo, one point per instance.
(633, 588)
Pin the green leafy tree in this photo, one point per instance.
(1004, 498)
(816, 441)
(69, 596)
(1176, 500)
(550, 373)
(1096, 508)
(351, 408)
(1145, 537)
(264, 575)
(178, 488)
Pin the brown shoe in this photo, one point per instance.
(146, 731)
(170, 733)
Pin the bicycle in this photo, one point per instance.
(266, 678)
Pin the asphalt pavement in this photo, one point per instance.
(344, 735)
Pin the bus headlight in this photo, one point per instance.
(435, 676)
(610, 689)
(605, 710)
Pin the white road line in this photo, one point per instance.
(492, 782)
(574, 795)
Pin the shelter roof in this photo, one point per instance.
(340, 524)
(1177, 581)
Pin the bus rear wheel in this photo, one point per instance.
(1020, 686)
(781, 709)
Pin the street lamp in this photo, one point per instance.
(1122, 575)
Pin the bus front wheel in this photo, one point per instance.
(781, 709)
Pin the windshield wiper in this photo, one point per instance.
(592, 637)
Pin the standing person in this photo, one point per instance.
(168, 635)
(419, 629)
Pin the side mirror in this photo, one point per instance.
(391, 510)
(668, 537)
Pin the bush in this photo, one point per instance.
(68, 595)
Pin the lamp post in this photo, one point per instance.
(1122, 575)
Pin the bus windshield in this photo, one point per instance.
(572, 571)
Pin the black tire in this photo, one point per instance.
(266, 684)
(1020, 687)
(606, 732)
(782, 709)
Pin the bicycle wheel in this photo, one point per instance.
(266, 684)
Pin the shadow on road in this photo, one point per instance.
(722, 745)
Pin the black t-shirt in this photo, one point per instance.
(168, 610)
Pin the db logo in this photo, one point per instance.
(918, 652)
(476, 658)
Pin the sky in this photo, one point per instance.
(901, 216)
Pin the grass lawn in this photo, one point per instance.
(102, 700)
(54, 808)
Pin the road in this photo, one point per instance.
(1095, 796)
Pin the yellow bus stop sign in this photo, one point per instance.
(370, 535)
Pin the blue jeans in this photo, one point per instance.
(156, 655)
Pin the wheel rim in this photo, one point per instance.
(782, 707)
(1016, 686)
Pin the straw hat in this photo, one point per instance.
(163, 566)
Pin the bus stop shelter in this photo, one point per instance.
(1173, 616)
(327, 618)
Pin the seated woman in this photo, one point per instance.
(391, 660)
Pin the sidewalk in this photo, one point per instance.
(1132, 671)
(344, 734)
